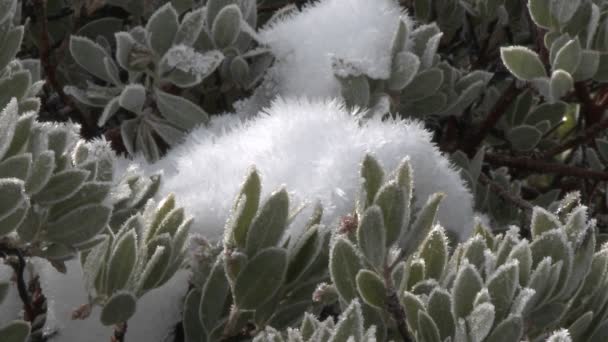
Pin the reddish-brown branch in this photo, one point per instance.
(471, 144)
(524, 163)
(50, 72)
(591, 111)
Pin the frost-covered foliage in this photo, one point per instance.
(297, 141)
(146, 84)
(61, 201)
(391, 274)
(18, 78)
(369, 131)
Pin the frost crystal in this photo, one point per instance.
(186, 59)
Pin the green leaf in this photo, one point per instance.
(356, 90)
(412, 306)
(79, 225)
(190, 28)
(425, 84)
(541, 13)
(561, 84)
(304, 253)
(467, 284)
(6, 10)
(89, 55)
(579, 327)
(15, 85)
(589, 65)
(424, 223)
(118, 309)
(215, 6)
(568, 57)
(553, 112)
(95, 260)
(13, 197)
(440, 309)
(215, 296)
(522, 62)
(391, 200)
(171, 222)
(8, 123)
(240, 71)
(373, 176)
(371, 236)
(502, 286)
(350, 324)
(15, 331)
(509, 330)
(11, 45)
(133, 97)
(543, 221)
(89, 193)
(404, 68)
(371, 288)
(268, 226)
(434, 252)
(61, 186)
(227, 26)
(16, 166)
(524, 137)
(480, 321)
(193, 329)
(344, 264)
(250, 195)
(180, 111)
(20, 134)
(122, 262)
(162, 28)
(428, 330)
(260, 279)
(563, 10)
(522, 253)
(42, 170)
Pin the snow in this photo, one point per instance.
(158, 311)
(186, 59)
(314, 148)
(306, 43)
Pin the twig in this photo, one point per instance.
(120, 331)
(500, 108)
(534, 165)
(592, 112)
(509, 197)
(50, 71)
(504, 193)
(585, 137)
(394, 306)
(395, 309)
(19, 268)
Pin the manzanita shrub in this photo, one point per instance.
(95, 93)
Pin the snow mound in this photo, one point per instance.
(306, 43)
(314, 148)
